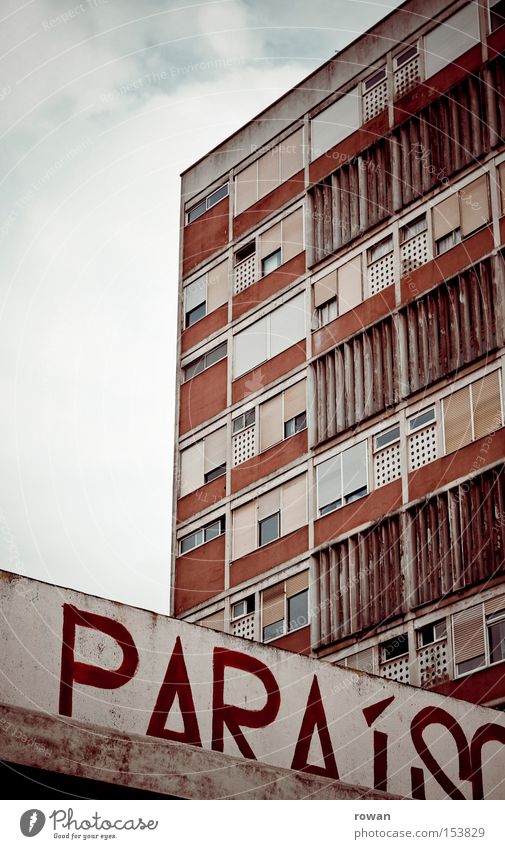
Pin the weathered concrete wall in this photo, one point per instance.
(120, 669)
(158, 766)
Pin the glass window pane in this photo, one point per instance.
(496, 633)
(195, 315)
(387, 437)
(218, 472)
(276, 629)
(218, 195)
(396, 647)
(196, 211)
(354, 469)
(469, 665)
(269, 529)
(298, 610)
(422, 418)
(271, 262)
(215, 355)
(191, 541)
(329, 483)
(213, 531)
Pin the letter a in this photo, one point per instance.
(176, 683)
(315, 717)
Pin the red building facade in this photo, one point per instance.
(340, 436)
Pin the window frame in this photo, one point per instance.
(276, 515)
(203, 358)
(324, 510)
(202, 530)
(285, 617)
(420, 644)
(296, 429)
(490, 620)
(208, 202)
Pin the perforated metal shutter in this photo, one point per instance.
(457, 420)
(272, 602)
(486, 404)
(468, 629)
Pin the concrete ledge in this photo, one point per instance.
(35, 739)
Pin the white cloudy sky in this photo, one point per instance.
(102, 105)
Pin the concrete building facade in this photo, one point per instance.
(341, 362)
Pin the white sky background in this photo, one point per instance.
(99, 114)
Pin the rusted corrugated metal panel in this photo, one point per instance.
(460, 321)
(458, 536)
(447, 135)
(457, 539)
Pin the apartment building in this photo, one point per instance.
(340, 441)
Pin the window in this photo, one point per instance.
(216, 472)
(396, 647)
(455, 36)
(373, 80)
(342, 479)
(375, 94)
(381, 266)
(472, 412)
(271, 262)
(335, 123)
(295, 425)
(270, 335)
(447, 242)
(468, 640)
(496, 14)
(275, 513)
(431, 633)
(205, 361)
(413, 228)
(495, 624)
(406, 70)
(406, 56)
(422, 419)
(243, 608)
(422, 438)
(202, 535)
(245, 252)
(206, 293)
(269, 171)
(243, 421)
(283, 415)
(298, 613)
(386, 456)
(208, 202)
(461, 214)
(285, 606)
(269, 529)
(203, 461)
(387, 437)
(339, 291)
